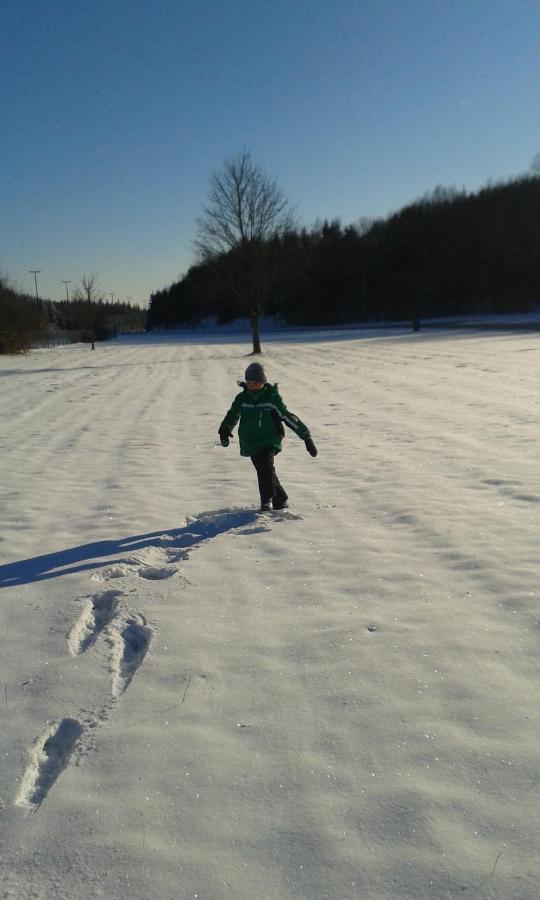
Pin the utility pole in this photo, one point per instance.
(35, 273)
(67, 292)
(112, 296)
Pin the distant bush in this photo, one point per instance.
(20, 318)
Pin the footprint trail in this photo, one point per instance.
(128, 637)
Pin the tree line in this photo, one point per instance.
(20, 316)
(449, 253)
(26, 320)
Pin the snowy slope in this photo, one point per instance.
(336, 701)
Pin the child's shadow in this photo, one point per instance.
(198, 529)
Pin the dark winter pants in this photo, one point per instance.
(269, 486)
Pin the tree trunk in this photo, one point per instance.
(255, 334)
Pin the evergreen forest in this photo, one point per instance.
(450, 253)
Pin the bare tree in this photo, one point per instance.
(88, 289)
(245, 215)
(88, 294)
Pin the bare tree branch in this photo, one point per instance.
(88, 289)
(244, 205)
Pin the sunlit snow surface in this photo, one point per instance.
(335, 701)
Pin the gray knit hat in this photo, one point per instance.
(255, 372)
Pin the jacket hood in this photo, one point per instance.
(267, 384)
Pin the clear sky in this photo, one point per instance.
(116, 112)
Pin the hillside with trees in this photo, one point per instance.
(450, 253)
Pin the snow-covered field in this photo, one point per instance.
(337, 701)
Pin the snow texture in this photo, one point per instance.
(339, 700)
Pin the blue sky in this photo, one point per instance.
(116, 113)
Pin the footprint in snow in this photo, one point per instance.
(48, 759)
(118, 571)
(97, 614)
(156, 573)
(129, 641)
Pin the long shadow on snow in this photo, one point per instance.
(197, 530)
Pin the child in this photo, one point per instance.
(262, 412)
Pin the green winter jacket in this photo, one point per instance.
(261, 413)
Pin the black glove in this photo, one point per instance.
(310, 446)
(224, 435)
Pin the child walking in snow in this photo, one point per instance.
(262, 412)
